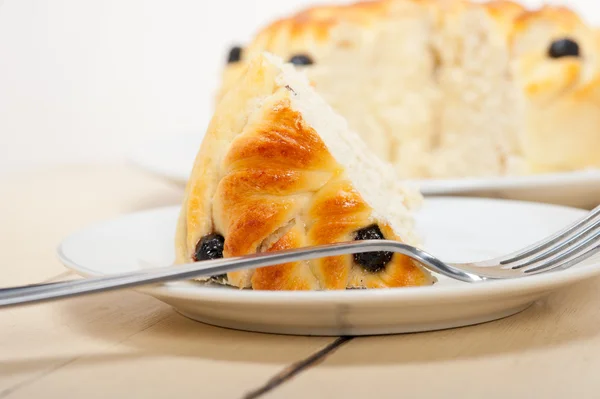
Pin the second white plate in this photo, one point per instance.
(173, 158)
(455, 229)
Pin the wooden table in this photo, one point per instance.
(124, 344)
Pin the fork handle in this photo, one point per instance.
(51, 291)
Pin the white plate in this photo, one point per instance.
(455, 229)
(173, 158)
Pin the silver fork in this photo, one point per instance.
(564, 249)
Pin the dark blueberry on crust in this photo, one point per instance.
(372, 261)
(301, 60)
(564, 48)
(235, 55)
(210, 247)
(221, 278)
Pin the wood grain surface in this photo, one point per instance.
(125, 344)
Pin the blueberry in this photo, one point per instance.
(235, 55)
(564, 48)
(221, 278)
(210, 247)
(372, 261)
(301, 59)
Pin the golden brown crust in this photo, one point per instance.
(271, 181)
(278, 187)
(336, 211)
(281, 137)
(558, 15)
(505, 13)
(318, 20)
(315, 23)
(289, 276)
(256, 81)
(504, 8)
(265, 184)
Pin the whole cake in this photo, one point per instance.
(450, 88)
(279, 169)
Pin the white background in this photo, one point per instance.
(85, 80)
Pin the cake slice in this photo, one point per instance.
(279, 169)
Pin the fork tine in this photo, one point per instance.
(573, 252)
(560, 247)
(550, 241)
(568, 263)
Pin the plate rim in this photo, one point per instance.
(470, 184)
(490, 289)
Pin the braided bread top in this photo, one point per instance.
(265, 180)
